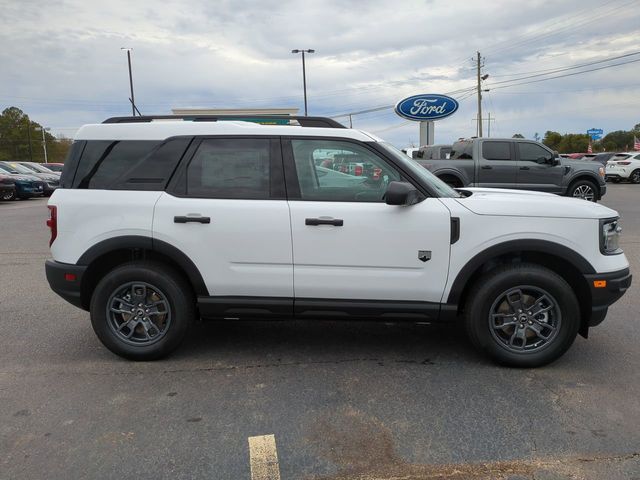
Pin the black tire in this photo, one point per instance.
(486, 296)
(9, 195)
(164, 286)
(579, 186)
(635, 176)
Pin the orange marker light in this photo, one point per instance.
(599, 283)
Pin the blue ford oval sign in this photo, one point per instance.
(426, 107)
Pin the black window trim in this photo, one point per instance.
(178, 183)
(291, 176)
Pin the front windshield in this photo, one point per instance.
(20, 168)
(38, 168)
(425, 175)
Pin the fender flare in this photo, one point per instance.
(454, 173)
(513, 246)
(147, 243)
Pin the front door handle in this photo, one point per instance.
(336, 222)
(191, 218)
(486, 167)
(525, 168)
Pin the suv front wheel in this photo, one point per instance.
(522, 315)
(142, 310)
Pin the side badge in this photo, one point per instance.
(424, 255)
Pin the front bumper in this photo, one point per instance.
(617, 284)
(66, 280)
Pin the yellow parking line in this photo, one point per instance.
(263, 458)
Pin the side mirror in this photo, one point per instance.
(556, 154)
(402, 193)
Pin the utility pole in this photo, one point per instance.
(304, 74)
(29, 137)
(489, 119)
(479, 97)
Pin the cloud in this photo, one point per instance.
(64, 66)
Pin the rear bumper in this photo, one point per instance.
(617, 284)
(66, 280)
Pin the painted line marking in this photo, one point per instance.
(263, 458)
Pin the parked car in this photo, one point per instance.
(603, 157)
(7, 187)
(168, 222)
(624, 166)
(39, 168)
(50, 181)
(55, 167)
(25, 186)
(410, 151)
(434, 152)
(520, 164)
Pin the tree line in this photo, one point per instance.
(618, 141)
(21, 139)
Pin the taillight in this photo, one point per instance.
(358, 171)
(52, 222)
(624, 163)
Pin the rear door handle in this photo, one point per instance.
(191, 218)
(525, 168)
(486, 167)
(336, 222)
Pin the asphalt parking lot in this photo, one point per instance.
(342, 401)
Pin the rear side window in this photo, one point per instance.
(230, 168)
(496, 151)
(152, 172)
(104, 161)
(461, 151)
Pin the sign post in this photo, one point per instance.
(425, 109)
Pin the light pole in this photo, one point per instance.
(304, 75)
(132, 99)
(44, 141)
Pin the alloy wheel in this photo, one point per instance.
(585, 192)
(138, 313)
(524, 319)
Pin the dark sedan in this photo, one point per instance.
(50, 181)
(26, 186)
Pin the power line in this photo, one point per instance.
(566, 75)
(573, 67)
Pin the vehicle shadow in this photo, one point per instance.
(318, 341)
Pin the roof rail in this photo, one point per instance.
(265, 119)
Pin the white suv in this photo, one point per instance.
(624, 166)
(160, 223)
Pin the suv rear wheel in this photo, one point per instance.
(142, 310)
(522, 315)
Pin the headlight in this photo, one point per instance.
(610, 230)
(601, 171)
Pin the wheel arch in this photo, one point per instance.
(108, 254)
(570, 265)
(593, 178)
(451, 173)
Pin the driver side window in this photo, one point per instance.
(533, 153)
(338, 171)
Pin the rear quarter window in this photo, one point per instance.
(128, 164)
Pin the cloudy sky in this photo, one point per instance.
(62, 63)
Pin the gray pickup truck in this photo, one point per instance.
(517, 163)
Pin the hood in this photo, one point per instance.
(21, 177)
(524, 203)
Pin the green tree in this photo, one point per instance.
(619, 140)
(21, 139)
(517, 135)
(552, 139)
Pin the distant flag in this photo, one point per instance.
(589, 149)
(636, 143)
